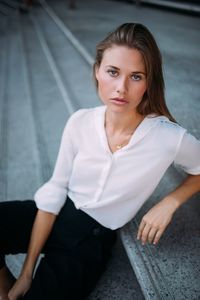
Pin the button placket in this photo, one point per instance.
(103, 179)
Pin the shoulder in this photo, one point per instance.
(171, 131)
(85, 113)
(84, 118)
(168, 129)
(167, 135)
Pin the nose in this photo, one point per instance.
(122, 85)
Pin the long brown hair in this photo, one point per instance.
(137, 36)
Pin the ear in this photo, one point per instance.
(96, 72)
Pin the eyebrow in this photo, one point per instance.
(134, 72)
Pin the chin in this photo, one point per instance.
(117, 109)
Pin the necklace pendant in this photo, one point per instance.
(119, 147)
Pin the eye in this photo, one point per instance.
(136, 77)
(112, 72)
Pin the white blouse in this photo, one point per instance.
(112, 187)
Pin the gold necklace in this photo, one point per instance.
(119, 146)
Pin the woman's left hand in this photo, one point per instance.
(155, 221)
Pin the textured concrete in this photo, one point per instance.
(182, 6)
(34, 111)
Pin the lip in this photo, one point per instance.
(119, 100)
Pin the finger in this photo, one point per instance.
(152, 234)
(141, 227)
(145, 233)
(157, 237)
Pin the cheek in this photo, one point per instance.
(140, 89)
(105, 84)
(143, 88)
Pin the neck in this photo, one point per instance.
(122, 123)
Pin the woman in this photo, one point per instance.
(110, 160)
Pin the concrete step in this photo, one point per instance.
(167, 271)
(182, 6)
(192, 7)
(170, 269)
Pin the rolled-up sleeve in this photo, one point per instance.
(51, 196)
(188, 154)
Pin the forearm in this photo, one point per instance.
(189, 187)
(41, 229)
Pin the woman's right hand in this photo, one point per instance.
(20, 287)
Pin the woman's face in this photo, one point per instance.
(121, 78)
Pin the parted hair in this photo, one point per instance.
(137, 36)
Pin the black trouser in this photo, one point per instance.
(76, 252)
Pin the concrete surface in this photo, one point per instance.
(34, 110)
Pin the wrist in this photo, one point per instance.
(173, 203)
(27, 272)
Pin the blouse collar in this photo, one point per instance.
(141, 131)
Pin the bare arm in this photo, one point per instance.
(41, 229)
(156, 220)
(189, 187)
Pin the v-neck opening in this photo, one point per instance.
(106, 138)
(142, 129)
